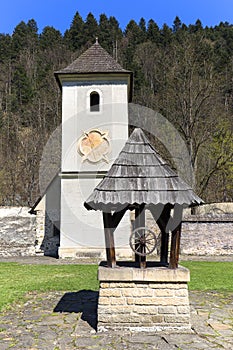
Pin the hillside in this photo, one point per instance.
(184, 72)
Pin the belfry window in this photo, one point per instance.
(94, 102)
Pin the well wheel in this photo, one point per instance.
(142, 241)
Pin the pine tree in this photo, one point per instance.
(177, 25)
(5, 47)
(50, 37)
(142, 26)
(116, 32)
(25, 36)
(91, 29)
(153, 33)
(166, 35)
(75, 37)
(104, 33)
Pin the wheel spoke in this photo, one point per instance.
(148, 250)
(152, 239)
(149, 246)
(148, 234)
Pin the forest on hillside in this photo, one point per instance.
(185, 72)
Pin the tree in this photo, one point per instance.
(25, 36)
(22, 86)
(5, 47)
(177, 25)
(166, 35)
(147, 56)
(153, 33)
(142, 26)
(105, 38)
(116, 37)
(196, 27)
(75, 37)
(220, 165)
(50, 37)
(109, 34)
(91, 29)
(116, 32)
(134, 36)
(190, 94)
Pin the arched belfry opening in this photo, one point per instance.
(94, 102)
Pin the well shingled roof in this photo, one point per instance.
(140, 176)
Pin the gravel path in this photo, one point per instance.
(67, 321)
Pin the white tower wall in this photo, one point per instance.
(82, 232)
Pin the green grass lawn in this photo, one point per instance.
(205, 275)
(16, 279)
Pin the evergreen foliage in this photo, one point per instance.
(184, 72)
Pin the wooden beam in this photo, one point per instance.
(162, 223)
(175, 247)
(164, 247)
(116, 217)
(109, 239)
(111, 222)
(140, 221)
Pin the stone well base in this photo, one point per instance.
(151, 299)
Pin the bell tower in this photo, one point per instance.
(95, 95)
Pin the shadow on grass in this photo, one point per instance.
(84, 301)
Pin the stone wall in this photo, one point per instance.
(155, 299)
(202, 235)
(209, 232)
(17, 232)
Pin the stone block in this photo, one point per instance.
(122, 285)
(181, 292)
(141, 285)
(120, 318)
(110, 292)
(161, 274)
(117, 301)
(137, 292)
(177, 319)
(132, 318)
(116, 274)
(143, 309)
(183, 309)
(104, 301)
(154, 274)
(167, 310)
(176, 301)
(114, 309)
(157, 319)
(163, 292)
(130, 301)
(146, 301)
(171, 301)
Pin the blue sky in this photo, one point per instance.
(59, 13)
